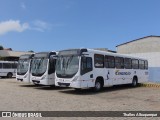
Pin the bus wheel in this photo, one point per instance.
(52, 86)
(98, 86)
(9, 75)
(134, 82)
(77, 89)
(36, 84)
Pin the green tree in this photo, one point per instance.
(1, 47)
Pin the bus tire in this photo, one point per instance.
(36, 84)
(9, 75)
(77, 89)
(52, 86)
(98, 85)
(134, 82)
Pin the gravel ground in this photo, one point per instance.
(19, 96)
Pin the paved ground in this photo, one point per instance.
(18, 96)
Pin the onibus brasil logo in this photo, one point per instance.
(21, 114)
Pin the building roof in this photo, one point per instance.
(7, 53)
(104, 49)
(137, 40)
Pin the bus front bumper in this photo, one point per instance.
(67, 83)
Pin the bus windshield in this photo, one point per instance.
(67, 66)
(39, 66)
(23, 65)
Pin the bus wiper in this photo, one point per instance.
(41, 60)
(69, 61)
(63, 63)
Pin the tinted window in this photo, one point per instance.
(119, 62)
(86, 65)
(98, 61)
(89, 63)
(14, 65)
(109, 62)
(146, 64)
(6, 65)
(135, 64)
(127, 63)
(0, 65)
(141, 64)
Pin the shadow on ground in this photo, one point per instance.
(51, 88)
(92, 92)
(31, 85)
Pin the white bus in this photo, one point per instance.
(87, 68)
(43, 68)
(24, 67)
(8, 69)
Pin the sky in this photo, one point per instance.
(53, 25)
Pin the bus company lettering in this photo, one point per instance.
(117, 72)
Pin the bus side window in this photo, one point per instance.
(141, 64)
(127, 63)
(146, 64)
(7, 65)
(119, 62)
(0, 65)
(135, 64)
(86, 65)
(99, 61)
(109, 62)
(14, 65)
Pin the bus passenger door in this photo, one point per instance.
(51, 71)
(87, 72)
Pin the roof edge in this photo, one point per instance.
(137, 39)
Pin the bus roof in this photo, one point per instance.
(114, 54)
(26, 56)
(77, 51)
(44, 54)
(8, 62)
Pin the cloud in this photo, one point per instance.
(43, 26)
(12, 25)
(16, 26)
(40, 25)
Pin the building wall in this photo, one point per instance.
(147, 44)
(153, 64)
(11, 55)
(148, 48)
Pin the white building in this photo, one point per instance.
(12, 55)
(148, 48)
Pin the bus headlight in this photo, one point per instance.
(75, 78)
(43, 77)
(25, 76)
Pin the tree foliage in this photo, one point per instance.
(1, 47)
